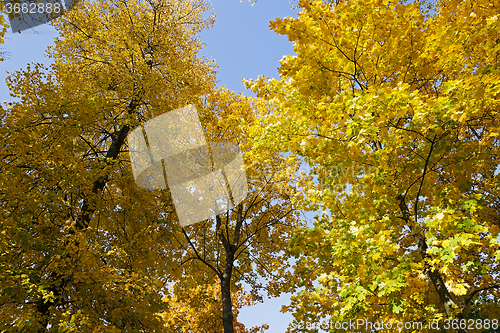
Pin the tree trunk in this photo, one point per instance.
(225, 277)
(85, 216)
(225, 286)
(434, 275)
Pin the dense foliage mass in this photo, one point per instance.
(395, 106)
(83, 249)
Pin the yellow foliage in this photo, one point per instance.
(199, 309)
(3, 30)
(409, 89)
(83, 249)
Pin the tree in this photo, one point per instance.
(395, 107)
(85, 249)
(81, 247)
(248, 242)
(184, 313)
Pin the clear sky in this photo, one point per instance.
(243, 47)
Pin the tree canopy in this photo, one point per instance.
(395, 106)
(83, 248)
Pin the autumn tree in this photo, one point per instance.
(86, 249)
(247, 243)
(395, 107)
(183, 312)
(81, 247)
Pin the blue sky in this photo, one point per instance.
(243, 47)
